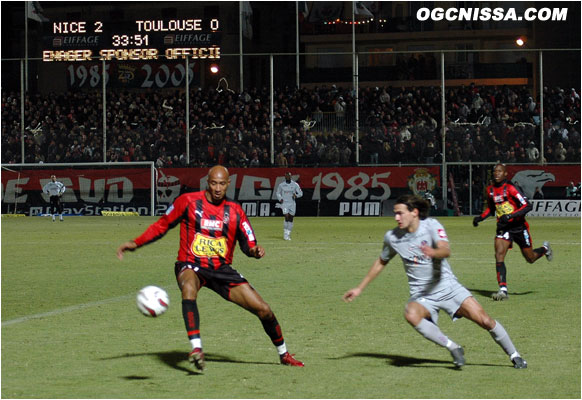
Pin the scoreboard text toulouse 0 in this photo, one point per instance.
(138, 40)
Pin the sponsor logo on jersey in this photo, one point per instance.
(521, 199)
(442, 234)
(504, 208)
(249, 231)
(211, 225)
(170, 209)
(206, 246)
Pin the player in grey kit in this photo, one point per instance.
(55, 190)
(287, 192)
(423, 246)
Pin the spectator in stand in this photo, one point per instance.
(533, 154)
(255, 162)
(571, 191)
(388, 115)
(560, 152)
(281, 160)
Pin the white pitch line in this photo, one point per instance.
(379, 243)
(65, 310)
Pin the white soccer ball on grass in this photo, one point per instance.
(152, 301)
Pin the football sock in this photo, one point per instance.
(499, 334)
(196, 343)
(540, 251)
(192, 321)
(434, 334)
(501, 275)
(290, 226)
(273, 329)
(282, 349)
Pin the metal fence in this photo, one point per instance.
(497, 106)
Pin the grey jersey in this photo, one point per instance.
(285, 191)
(425, 274)
(54, 188)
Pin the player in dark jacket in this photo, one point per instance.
(210, 226)
(510, 205)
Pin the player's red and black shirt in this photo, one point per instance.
(506, 198)
(208, 232)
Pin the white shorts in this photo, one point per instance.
(287, 208)
(447, 300)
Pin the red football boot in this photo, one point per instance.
(287, 359)
(196, 358)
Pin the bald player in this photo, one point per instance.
(211, 225)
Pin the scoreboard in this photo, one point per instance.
(171, 39)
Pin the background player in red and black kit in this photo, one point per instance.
(211, 225)
(510, 206)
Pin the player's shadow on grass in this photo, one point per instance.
(224, 359)
(136, 378)
(174, 359)
(178, 360)
(405, 361)
(489, 293)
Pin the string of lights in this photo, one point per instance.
(345, 22)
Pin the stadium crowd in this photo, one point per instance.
(312, 126)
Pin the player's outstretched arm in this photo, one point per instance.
(482, 217)
(127, 246)
(374, 271)
(351, 294)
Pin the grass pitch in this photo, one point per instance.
(70, 327)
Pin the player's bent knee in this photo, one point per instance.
(189, 292)
(487, 322)
(473, 311)
(412, 319)
(264, 312)
(189, 285)
(413, 314)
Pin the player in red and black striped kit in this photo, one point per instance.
(510, 206)
(210, 226)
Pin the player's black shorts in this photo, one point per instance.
(515, 233)
(56, 204)
(221, 280)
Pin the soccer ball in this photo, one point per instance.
(152, 301)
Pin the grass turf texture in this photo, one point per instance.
(70, 327)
